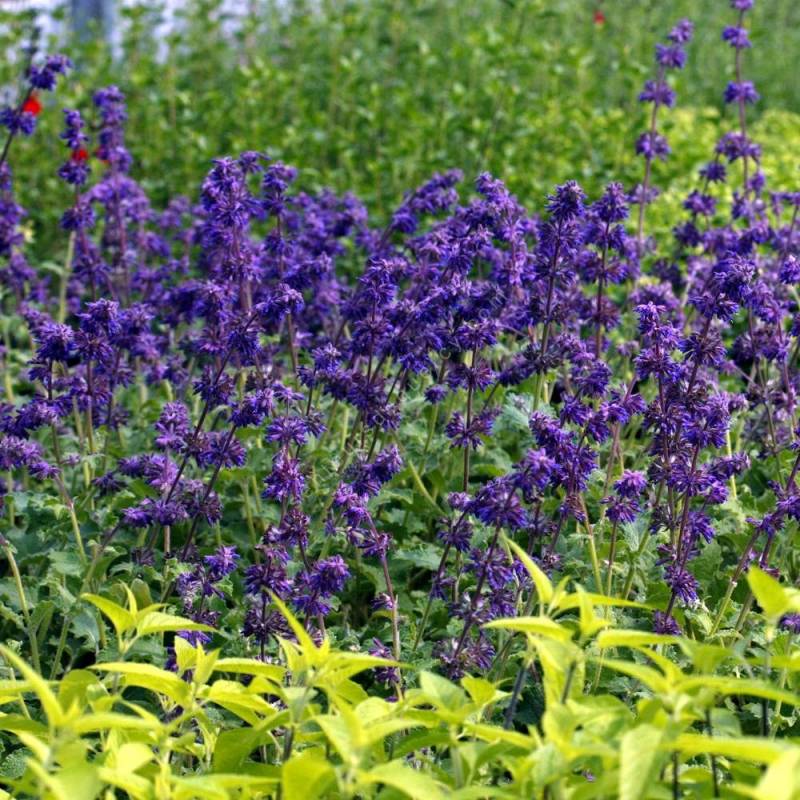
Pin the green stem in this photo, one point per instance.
(611, 556)
(62, 289)
(23, 602)
(87, 579)
(593, 556)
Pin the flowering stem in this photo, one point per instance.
(209, 488)
(87, 578)
(423, 623)
(593, 556)
(511, 709)
(292, 344)
(632, 570)
(76, 529)
(648, 166)
(476, 594)
(393, 600)
(12, 132)
(740, 104)
(62, 289)
(598, 334)
(733, 582)
(468, 423)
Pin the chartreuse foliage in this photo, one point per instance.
(304, 727)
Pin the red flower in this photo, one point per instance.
(32, 106)
(599, 17)
(80, 155)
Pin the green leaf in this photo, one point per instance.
(39, 686)
(589, 622)
(150, 677)
(639, 761)
(746, 748)
(771, 596)
(250, 666)
(782, 779)
(74, 687)
(234, 746)
(409, 781)
(540, 626)
(647, 676)
(635, 639)
(237, 698)
(544, 588)
(739, 686)
(304, 640)
(158, 622)
(307, 776)
(109, 721)
(441, 692)
(79, 781)
(571, 601)
(120, 617)
(481, 691)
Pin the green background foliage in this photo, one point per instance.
(373, 96)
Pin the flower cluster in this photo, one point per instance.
(39, 77)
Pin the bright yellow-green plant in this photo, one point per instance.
(304, 727)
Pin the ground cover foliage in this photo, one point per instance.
(467, 499)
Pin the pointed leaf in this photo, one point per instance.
(120, 617)
(544, 588)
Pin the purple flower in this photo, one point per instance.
(658, 92)
(741, 92)
(44, 76)
(497, 504)
(172, 427)
(670, 56)
(736, 37)
(665, 624)
(316, 585)
(285, 481)
(631, 484)
(221, 563)
(268, 577)
(652, 145)
(682, 32)
(682, 583)
(385, 675)
(567, 202)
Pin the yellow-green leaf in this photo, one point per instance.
(120, 617)
(158, 622)
(540, 626)
(410, 782)
(639, 761)
(746, 748)
(770, 594)
(307, 776)
(39, 686)
(544, 588)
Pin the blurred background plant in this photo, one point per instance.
(375, 95)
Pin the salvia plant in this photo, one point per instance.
(473, 502)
